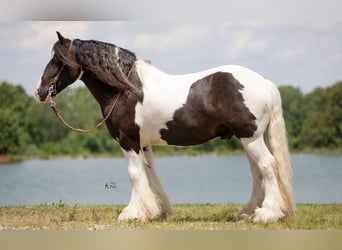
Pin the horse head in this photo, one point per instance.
(61, 71)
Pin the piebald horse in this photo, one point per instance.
(145, 106)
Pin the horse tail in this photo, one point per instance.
(278, 145)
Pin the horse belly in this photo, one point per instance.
(181, 134)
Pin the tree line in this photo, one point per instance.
(30, 128)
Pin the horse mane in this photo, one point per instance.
(111, 64)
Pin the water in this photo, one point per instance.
(201, 179)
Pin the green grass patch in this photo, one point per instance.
(60, 216)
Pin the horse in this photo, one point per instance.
(145, 106)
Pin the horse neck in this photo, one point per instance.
(102, 92)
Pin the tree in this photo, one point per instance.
(313, 121)
(13, 104)
(42, 125)
(11, 134)
(323, 125)
(14, 98)
(294, 114)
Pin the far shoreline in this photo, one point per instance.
(5, 159)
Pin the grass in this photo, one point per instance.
(59, 216)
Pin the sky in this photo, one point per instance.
(304, 54)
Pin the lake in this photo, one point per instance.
(186, 179)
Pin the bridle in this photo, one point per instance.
(52, 91)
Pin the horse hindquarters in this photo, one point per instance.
(270, 165)
(148, 199)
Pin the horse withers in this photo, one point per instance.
(144, 106)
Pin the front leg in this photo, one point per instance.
(148, 200)
(155, 183)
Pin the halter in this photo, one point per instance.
(52, 91)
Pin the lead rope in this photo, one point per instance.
(60, 117)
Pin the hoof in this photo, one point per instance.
(133, 213)
(262, 215)
(246, 213)
(244, 216)
(130, 213)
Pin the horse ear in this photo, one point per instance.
(61, 38)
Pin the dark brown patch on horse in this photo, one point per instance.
(214, 108)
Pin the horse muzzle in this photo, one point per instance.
(42, 99)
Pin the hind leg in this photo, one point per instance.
(270, 209)
(258, 192)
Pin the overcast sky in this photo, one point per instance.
(305, 54)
